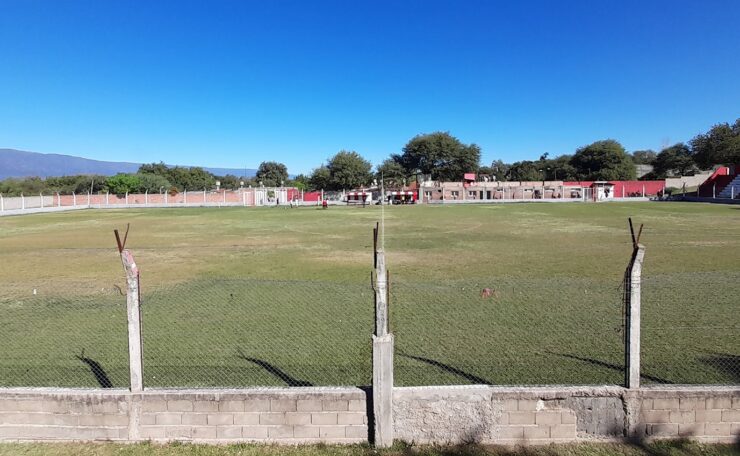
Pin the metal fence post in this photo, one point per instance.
(382, 354)
(133, 311)
(632, 289)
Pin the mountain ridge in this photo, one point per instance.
(20, 163)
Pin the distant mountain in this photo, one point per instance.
(18, 163)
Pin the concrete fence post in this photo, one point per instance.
(2, 203)
(88, 200)
(382, 354)
(185, 197)
(59, 200)
(41, 199)
(633, 278)
(74, 199)
(714, 191)
(107, 195)
(133, 311)
(23, 201)
(146, 197)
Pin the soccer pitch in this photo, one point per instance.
(277, 296)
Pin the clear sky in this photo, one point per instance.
(234, 83)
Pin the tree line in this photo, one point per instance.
(438, 155)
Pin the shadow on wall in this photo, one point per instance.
(728, 365)
(615, 367)
(97, 370)
(447, 368)
(275, 371)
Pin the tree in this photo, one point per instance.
(644, 157)
(229, 181)
(320, 178)
(526, 171)
(391, 171)
(152, 183)
(441, 155)
(719, 146)
(674, 160)
(121, 184)
(300, 182)
(272, 174)
(603, 160)
(349, 170)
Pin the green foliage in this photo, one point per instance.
(272, 174)
(80, 184)
(719, 146)
(229, 182)
(603, 160)
(152, 183)
(320, 178)
(391, 171)
(300, 182)
(676, 160)
(441, 155)
(526, 171)
(349, 170)
(182, 178)
(644, 157)
(121, 184)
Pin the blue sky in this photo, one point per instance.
(235, 83)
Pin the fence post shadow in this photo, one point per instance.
(274, 370)
(616, 367)
(447, 368)
(97, 370)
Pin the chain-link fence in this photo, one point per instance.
(247, 332)
(691, 328)
(63, 334)
(508, 331)
(232, 333)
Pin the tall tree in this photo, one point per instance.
(441, 155)
(644, 157)
(320, 178)
(391, 171)
(272, 174)
(674, 160)
(719, 146)
(603, 160)
(349, 170)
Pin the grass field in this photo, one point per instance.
(239, 297)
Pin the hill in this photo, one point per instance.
(19, 163)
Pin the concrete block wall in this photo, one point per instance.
(280, 415)
(291, 415)
(712, 417)
(45, 414)
(564, 414)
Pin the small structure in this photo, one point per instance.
(401, 197)
(603, 190)
(359, 197)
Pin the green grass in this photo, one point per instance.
(661, 448)
(242, 297)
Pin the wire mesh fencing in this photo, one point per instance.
(63, 334)
(236, 333)
(509, 331)
(691, 328)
